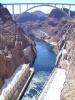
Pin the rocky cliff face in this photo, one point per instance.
(15, 46)
(68, 92)
(48, 28)
(57, 13)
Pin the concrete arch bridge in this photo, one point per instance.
(28, 6)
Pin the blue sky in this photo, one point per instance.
(34, 1)
(44, 9)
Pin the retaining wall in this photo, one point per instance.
(14, 87)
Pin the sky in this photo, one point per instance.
(36, 1)
(44, 9)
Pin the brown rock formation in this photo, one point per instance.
(13, 41)
(68, 92)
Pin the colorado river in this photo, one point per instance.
(43, 65)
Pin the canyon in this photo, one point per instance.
(17, 44)
(57, 31)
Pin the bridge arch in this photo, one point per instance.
(47, 5)
(54, 5)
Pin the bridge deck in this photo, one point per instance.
(38, 3)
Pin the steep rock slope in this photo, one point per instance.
(57, 13)
(68, 63)
(30, 16)
(15, 46)
(49, 25)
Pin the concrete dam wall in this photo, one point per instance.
(14, 85)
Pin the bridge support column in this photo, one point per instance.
(19, 8)
(27, 7)
(69, 10)
(55, 5)
(13, 9)
(62, 7)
